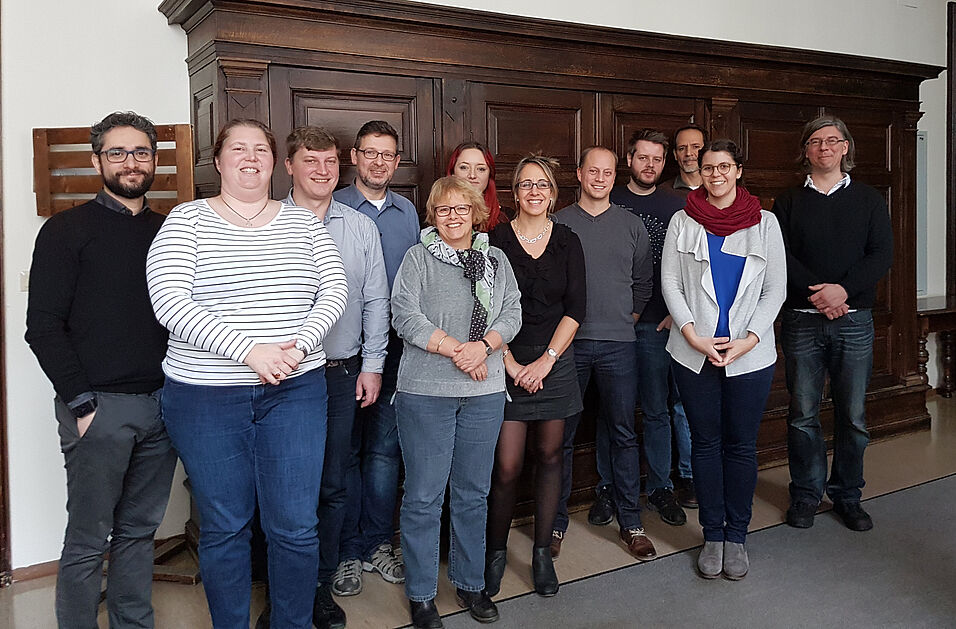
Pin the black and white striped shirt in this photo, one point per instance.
(220, 289)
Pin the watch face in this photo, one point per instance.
(552, 353)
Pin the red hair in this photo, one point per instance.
(495, 215)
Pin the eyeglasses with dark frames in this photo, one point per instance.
(445, 210)
(388, 156)
(118, 156)
(541, 184)
(831, 141)
(723, 168)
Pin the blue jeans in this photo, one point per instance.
(724, 414)
(446, 441)
(681, 431)
(813, 347)
(614, 367)
(340, 460)
(237, 443)
(373, 474)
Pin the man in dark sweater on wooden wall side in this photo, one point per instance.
(92, 328)
(839, 244)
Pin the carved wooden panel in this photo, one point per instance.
(515, 121)
(342, 102)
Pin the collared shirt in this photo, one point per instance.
(844, 182)
(110, 203)
(397, 224)
(367, 312)
(679, 183)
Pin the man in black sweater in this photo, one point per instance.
(92, 328)
(839, 244)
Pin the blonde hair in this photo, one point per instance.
(447, 185)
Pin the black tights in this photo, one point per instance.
(509, 460)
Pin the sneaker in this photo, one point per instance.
(800, 514)
(602, 511)
(663, 501)
(638, 544)
(326, 613)
(556, 538)
(686, 493)
(853, 516)
(348, 578)
(387, 563)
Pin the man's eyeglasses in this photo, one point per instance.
(445, 210)
(388, 156)
(541, 184)
(723, 168)
(117, 156)
(831, 141)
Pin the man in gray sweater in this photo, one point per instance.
(619, 263)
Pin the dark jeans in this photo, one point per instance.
(339, 461)
(613, 365)
(118, 477)
(813, 347)
(724, 414)
(375, 462)
(238, 443)
(446, 441)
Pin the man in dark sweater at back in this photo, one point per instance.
(839, 244)
(92, 328)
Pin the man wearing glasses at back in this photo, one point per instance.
(367, 529)
(91, 325)
(839, 244)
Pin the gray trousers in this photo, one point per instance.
(118, 477)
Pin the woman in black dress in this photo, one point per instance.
(548, 262)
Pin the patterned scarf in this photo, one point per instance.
(480, 270)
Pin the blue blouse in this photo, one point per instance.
(726, 271)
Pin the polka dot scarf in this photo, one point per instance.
(479, 269)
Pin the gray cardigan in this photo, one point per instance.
(429, 294)
(688, 288)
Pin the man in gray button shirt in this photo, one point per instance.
(619, 267)
(355, 346)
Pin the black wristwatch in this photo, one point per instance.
(84, 409)
(488, 348)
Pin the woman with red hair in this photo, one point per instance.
(474, 163)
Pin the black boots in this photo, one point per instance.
(542, 572)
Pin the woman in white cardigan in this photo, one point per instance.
(723, 276)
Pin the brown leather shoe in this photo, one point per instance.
(556, 538)
(638, 544)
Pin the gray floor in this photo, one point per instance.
(900, 574)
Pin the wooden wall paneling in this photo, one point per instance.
(516, 121)
(343, 102)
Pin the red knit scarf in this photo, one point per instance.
(744, 212)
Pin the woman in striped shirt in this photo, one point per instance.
(248, 288)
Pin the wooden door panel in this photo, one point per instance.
(342, 102)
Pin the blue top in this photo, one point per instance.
(726, 269)
(397, 224)
(366, 320)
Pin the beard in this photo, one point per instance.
(114, 183)
(690, 167)
(374, 185)
(642, 184)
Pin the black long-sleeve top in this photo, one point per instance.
(552, 286)
(89, 318)
(845, 238)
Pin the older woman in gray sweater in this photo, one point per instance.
(455, 302)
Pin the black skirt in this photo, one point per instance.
(561, 396)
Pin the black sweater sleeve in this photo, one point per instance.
(575, 294)
(53, 279)
(878, 251)
(799, 277)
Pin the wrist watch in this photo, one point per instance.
(301, 346)
(488, 348)
(553, 354)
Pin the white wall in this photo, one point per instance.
(69, 77)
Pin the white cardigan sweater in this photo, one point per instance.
(688, 288)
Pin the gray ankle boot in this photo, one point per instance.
(711, 559)
(736, 562)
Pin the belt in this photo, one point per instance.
(341, 362)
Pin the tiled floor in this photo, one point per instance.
(890, 465)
